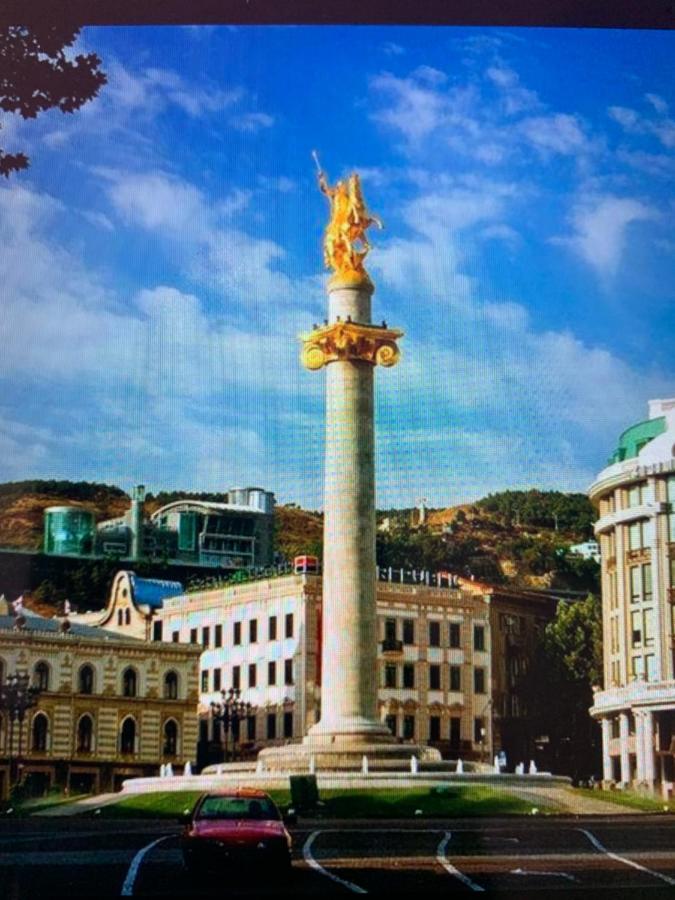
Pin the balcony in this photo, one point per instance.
(643, 554)
(391, 645)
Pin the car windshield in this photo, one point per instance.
(237, 808)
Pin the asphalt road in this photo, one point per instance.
(74, 858)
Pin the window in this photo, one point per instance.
(637, 666)
(455, 678)
(434, 678)
(128, 736)
(390, 722)
(390, 630)
(271, 672)
(434, 634)
(85, 734)
(85, 680)
(206, 637)
(129, 683)
(170, 738)
(218, 636)
(479, 681)
(250, 728)
(252, 675)
(217, 679)
(253, 631)
(193, 635)
(478, 637)
(434, 728)
(647, 583)
(127, 616)
(205, 680)
(455, 635)
(649, 627)
(478, 731)
(41, 679)
(236, 637)
(408, 675)
(271, 726)
(408, 631)
(390, 676)
(455, 729)
(650, 661)
(236, 677)
(635, 495)
(637, 535)
(175, 636)
(40, 733)
(408, 728)
(288, 671)
(288, 625)
(120, 617)
(272, 628)
(288, 724)
(171, 686)
(157, 630)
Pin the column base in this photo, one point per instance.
(345, 753)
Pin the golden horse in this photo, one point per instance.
(346, 244)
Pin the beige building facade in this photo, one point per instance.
(110, 706)
(446, 666)
(634, 496)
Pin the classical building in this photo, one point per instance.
(109, 707)
(634, 497)
(449, 659)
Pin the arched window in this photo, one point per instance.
(171, 686)
(128, 736)
(40, 732)
(120, 617)
(86, 680)
(2, 670)
(127, 616)
(129, 683)
(170, 738)
(85, 734)
(41, 679)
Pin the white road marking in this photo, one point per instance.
(448, 866)
(309, 859)
(128, 886)
(628, 862)
(535, 872)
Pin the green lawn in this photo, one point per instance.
(626, 798)
(469, 800)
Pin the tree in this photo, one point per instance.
(36, 74)
(558, 688)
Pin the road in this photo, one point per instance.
(611, 857)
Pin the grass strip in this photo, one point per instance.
(626, 798)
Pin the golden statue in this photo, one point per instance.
(345, 244)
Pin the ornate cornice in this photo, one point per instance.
(374, 344)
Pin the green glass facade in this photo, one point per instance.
(634, 438)
(69, 529)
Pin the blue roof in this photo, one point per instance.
(152, 591)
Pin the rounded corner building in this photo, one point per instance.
(635, 499)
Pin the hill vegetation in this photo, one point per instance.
(516, 537)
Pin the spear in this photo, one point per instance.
(316, 160)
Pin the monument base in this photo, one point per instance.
(346, 753)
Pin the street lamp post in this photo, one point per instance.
(230, 712)
(16, 698)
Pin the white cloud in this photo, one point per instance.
(558, 133)
(393, 49)
(627, 118)
(600, 229)
(657, 102)
(252, 121)
(515, 97)
(414, 110)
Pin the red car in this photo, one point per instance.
(239, 827)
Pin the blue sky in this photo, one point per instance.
(163, 252)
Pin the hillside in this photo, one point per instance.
(508, 537)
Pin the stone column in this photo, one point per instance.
(607, 770)
(639, 747)
(623, 741)
(648, 738)
(349, 682)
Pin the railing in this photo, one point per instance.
(391, 645)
